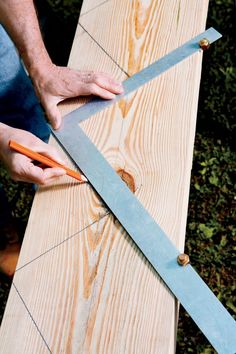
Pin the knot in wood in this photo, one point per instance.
(183, 259)
(127, 178)
(204, 44)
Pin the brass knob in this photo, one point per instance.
(183, 259)
(204, 43)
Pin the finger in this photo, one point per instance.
(34, 174)
(23, 169)
(51, 174)
(54, 115)
(108, 83)
(53, 154)
(100, 79)
(49, 151)
(93, 89)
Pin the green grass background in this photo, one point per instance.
(210, 236)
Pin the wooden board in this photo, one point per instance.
(91, 5)
(86, 286)
(28, 337)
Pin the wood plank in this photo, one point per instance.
(13, 336)
(94, 292)
(90, 5)
(79, 320)
(144, 30)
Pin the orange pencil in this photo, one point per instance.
(45, 160)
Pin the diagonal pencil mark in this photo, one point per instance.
(64, 241)
(29, 313)
(94, 8)
(99, 45)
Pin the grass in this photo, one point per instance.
(210, 235)
(210, 238)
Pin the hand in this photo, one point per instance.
(54, 84)
(21, 167)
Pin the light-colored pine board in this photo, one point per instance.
(90, 5)
(144, 30)
(14, 337)
(103, 258)
(95, 292)
(92, 314)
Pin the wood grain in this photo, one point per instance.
(16, 338)
(91, 5)
(144, 30)
(90, 288)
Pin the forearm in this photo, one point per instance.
(52, 84)
(20, 20)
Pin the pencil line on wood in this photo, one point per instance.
(125, 72)
(41, 335)
(60, 243)
(94, 8)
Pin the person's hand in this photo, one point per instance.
(55, 84)
(21, 167)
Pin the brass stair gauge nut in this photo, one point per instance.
(204, 44)
(183, 259)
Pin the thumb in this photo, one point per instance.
(54, 116)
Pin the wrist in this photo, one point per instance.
(38, 64)
(40, 76)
